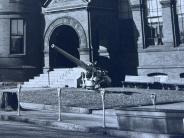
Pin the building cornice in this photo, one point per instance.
(73, 8)
(63, 8)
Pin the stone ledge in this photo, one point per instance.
(132, 134)
(66, 109)
(157, 121)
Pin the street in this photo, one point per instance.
(21, 130)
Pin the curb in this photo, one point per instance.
(24, 120)
(44, 123)
(134, 134)
(70, 127)
(67, 109)
(79, 128)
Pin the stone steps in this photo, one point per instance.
(56, 78)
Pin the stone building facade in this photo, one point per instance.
(135, 37)
(160, 44)
(93, 22)
(20, 39)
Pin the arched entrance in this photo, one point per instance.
(66, 38)
(59, 24)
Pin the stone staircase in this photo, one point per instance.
(57, 78)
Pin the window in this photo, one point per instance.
(17, 36)
(180, 12)
(154, 20)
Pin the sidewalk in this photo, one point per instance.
(84, 104)
(92, 123)
(69, 121)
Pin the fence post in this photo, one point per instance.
(153, 99)
(48, 73)
(102, 92)
(59, 103)
(18, 97)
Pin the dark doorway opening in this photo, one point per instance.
(66, 38)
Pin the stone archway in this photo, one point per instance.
(65, 21)
(66, 38)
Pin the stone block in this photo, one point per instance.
(159, 121)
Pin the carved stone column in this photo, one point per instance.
(46, 67)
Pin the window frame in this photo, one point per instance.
(24, 37)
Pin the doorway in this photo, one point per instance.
(66, 38)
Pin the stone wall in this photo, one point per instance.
(166, 59)
(162, 61)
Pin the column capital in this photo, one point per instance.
(84, 54)
(83, 50)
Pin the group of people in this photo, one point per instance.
(95, 80)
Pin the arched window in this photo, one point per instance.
(154, 20)
(180, 12)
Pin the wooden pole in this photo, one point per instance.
(102, 92)
(59, 103)
(18, 97)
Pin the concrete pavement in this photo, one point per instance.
(9, 129)
(75, 121)
(69, 121)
